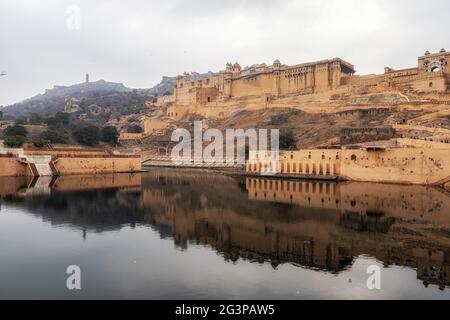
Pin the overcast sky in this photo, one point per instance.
(138, 41)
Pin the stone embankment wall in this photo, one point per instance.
(396, 165)
(70, 165)
(11, 166)
(61, 152)
(97, 165)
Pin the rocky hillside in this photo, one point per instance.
(101, 93)
(347, 120)
(53, 100)
(110, 95)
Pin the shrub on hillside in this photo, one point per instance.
(39, 143)
(20, 121)
(110, 135)
(55, 136)
(16, 130)
(35, 118)
(58, 120)
(89, 135)
(14, 141)
(287, 140)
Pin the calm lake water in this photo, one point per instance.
(175, 234)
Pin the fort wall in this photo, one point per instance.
(398, 165)
(67, 163)
(359, 135)
(421, 128)
(262, 86)
(13, 167)
(97, 165)
(423, 144)
(61, 152)
(153, 125)
(385, 165)
(165, 100)
(131, 136)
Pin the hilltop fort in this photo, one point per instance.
(390, 127)
(278, 85)
(326, 89)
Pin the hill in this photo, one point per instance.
(101, 93)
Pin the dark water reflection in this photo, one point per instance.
(181, 234)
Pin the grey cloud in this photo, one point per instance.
(138, 41)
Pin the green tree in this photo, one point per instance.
(89, 135)
(287, 140)
(110, 135)
(38, 143)
(14, 141)
(55, 136)
(36, 118)
(20, 121)
(16, 130)
(59, 119)
(134, 129)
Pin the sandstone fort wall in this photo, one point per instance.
(396, 165)
(82, 165)
(71, 165)
(13, 167)
(277, 85)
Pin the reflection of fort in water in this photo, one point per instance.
(314, 225)
(357, 201)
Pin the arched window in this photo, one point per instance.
(436, 69)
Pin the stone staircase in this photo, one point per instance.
(41, 166)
